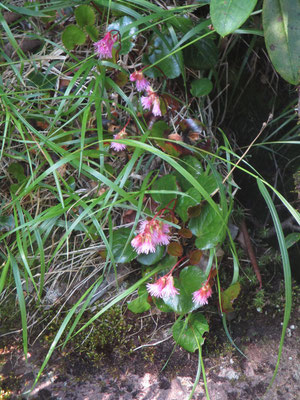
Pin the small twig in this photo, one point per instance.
(251, 253)
(264, 125)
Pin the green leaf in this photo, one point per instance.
(193, 166)
(185, 202)
(159, 48)
(168, 261)
(121, 78)
(140, 304)
(229, 295)
(121, 252)
(159, 132)
(282, 36)
(121, 25)
(202, 54)
(201, 87)
(209, 227)
(151, 258)
(189, 333)
(7, 222)
(17, 171)
(228, 15)
(167, 182)
(72, 36)
(92, 31)
(161, 305)
(292, 239)
(85, 15)
(42, 81)
(191, 279)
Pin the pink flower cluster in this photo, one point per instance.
(151, 234)
(104, 46)
(163, 287)
(152, 99)
(140, 80)
(119, 146)
(200, 296)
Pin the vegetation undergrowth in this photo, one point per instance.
(114, 152)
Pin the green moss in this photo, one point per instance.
(106, 335)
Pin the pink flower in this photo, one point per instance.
(156, 107)
(119, 146)
(104, 46)
(151, 100)
(143, 243)
(146, 102)
(200, 296)
(141, 81)
(156, 289)
(161, 233)
(169, 290)
(151, 234)
(163, 287)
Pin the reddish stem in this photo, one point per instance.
(178, 262)
(251, 252)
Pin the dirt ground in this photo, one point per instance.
(139, 376)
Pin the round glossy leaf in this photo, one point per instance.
(85, 15)
(159, 48)
(201, 55)
(161, 305)
(229, 295)
(209, 182)
(121, 252)
(151, 258)
(209, 227)
(189, 334)
(201, 87)
(193, 166)
(281, 20)
(72, 36)
(121, 25)
(229, 15)
(140, 304)
(185, 202)
(191, 279)
(163, 184)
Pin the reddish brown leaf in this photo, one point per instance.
(195, 210)
(186, 233)
(129, 216)
(195, 257)
(175, 249)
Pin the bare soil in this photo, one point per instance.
(139, 375)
